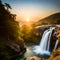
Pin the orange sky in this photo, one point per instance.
(33, 15)
(33, 9)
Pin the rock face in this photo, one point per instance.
(17, 46)
(56, 58)
(43, 27)
(39, 29)
(53, 40)
(58, 35)
(11, 50)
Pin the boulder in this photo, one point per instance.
(17, 46)
(33, 58)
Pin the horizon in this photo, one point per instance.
(33, 10)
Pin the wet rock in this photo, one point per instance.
(58, 35)
(44, 27)
(53, 40)
(39, 29)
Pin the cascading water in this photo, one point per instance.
(55, 45)
(43, 47)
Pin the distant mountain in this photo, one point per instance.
(52, 19)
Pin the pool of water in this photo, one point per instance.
(30, 53)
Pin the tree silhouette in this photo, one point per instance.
(7, 6)
(0, 1)
(9, 31)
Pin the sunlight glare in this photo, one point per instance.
(27, 19)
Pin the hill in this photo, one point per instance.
(52, 19)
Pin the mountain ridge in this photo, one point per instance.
(51, 19)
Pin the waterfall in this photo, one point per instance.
(45, 41)
(43, 47)
(55, 45)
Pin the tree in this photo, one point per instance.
(9, 31)
(7, 6)
(0, 1)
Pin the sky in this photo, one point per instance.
(33, 9)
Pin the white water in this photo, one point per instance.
(43, 47)
(56, 45)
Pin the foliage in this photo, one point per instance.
(27, 33)
(9, 30)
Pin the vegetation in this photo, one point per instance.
(9, 31)
(27, 33)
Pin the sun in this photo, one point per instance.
(27, 20)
